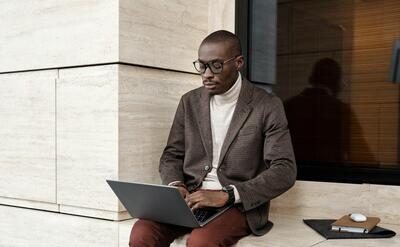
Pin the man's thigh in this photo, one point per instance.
(225, 230)
(146, 233)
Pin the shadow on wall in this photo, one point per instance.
(320, 123)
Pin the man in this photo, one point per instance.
(229, 143)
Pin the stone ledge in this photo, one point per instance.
(29, 204)
(44, 228)
(315, 199)
(288, 231)
(95, 213)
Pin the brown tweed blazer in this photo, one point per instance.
(256, 156)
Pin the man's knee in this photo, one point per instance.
(143, 234)
(206, 239)
(195, 240)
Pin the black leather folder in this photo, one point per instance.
(323, 227)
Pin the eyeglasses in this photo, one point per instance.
(215, 66)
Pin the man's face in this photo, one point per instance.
(220, 51)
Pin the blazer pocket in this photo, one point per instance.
(248, 130)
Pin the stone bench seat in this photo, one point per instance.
(290, 231)
(317, 200)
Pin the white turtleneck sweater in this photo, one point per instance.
(222, 107)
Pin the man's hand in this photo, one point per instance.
(206, 198)
(184, 192)
(181, 187)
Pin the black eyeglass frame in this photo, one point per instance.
(211, 66)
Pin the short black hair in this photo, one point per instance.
(224, 36)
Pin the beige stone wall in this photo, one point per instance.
(88, 90)
(57, 33)
(27, 136)
(163, 34)
(66, 130)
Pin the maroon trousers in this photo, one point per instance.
(225, 230)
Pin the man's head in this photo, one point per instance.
(328, 73)
(220, 48)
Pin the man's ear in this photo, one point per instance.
(239, 62)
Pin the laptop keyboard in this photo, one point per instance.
(204, 214)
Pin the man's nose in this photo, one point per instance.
(208, 73)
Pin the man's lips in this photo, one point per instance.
(209, 85)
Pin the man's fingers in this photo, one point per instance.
(196, 206)
(192, 199)
(202, 198)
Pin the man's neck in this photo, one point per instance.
(231, 95)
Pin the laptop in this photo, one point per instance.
(161, 203)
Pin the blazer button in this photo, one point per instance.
(206, 168)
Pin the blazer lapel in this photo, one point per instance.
(242, 111)
(204, 123)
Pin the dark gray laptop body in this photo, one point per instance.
(159, 203)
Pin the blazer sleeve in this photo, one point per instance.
(171, 161)
(280, 173)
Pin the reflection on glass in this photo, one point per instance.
(321, 45)
(319, 121)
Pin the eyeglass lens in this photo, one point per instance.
(215, 66)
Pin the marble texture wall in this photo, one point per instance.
(155, 33)
(147, 103)
(27, 136)
(77, 117)
(112, 123)
(24, 227)
(221, 15)
(57, 33)
(87, 136)
(70, 128)
(164, 34)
